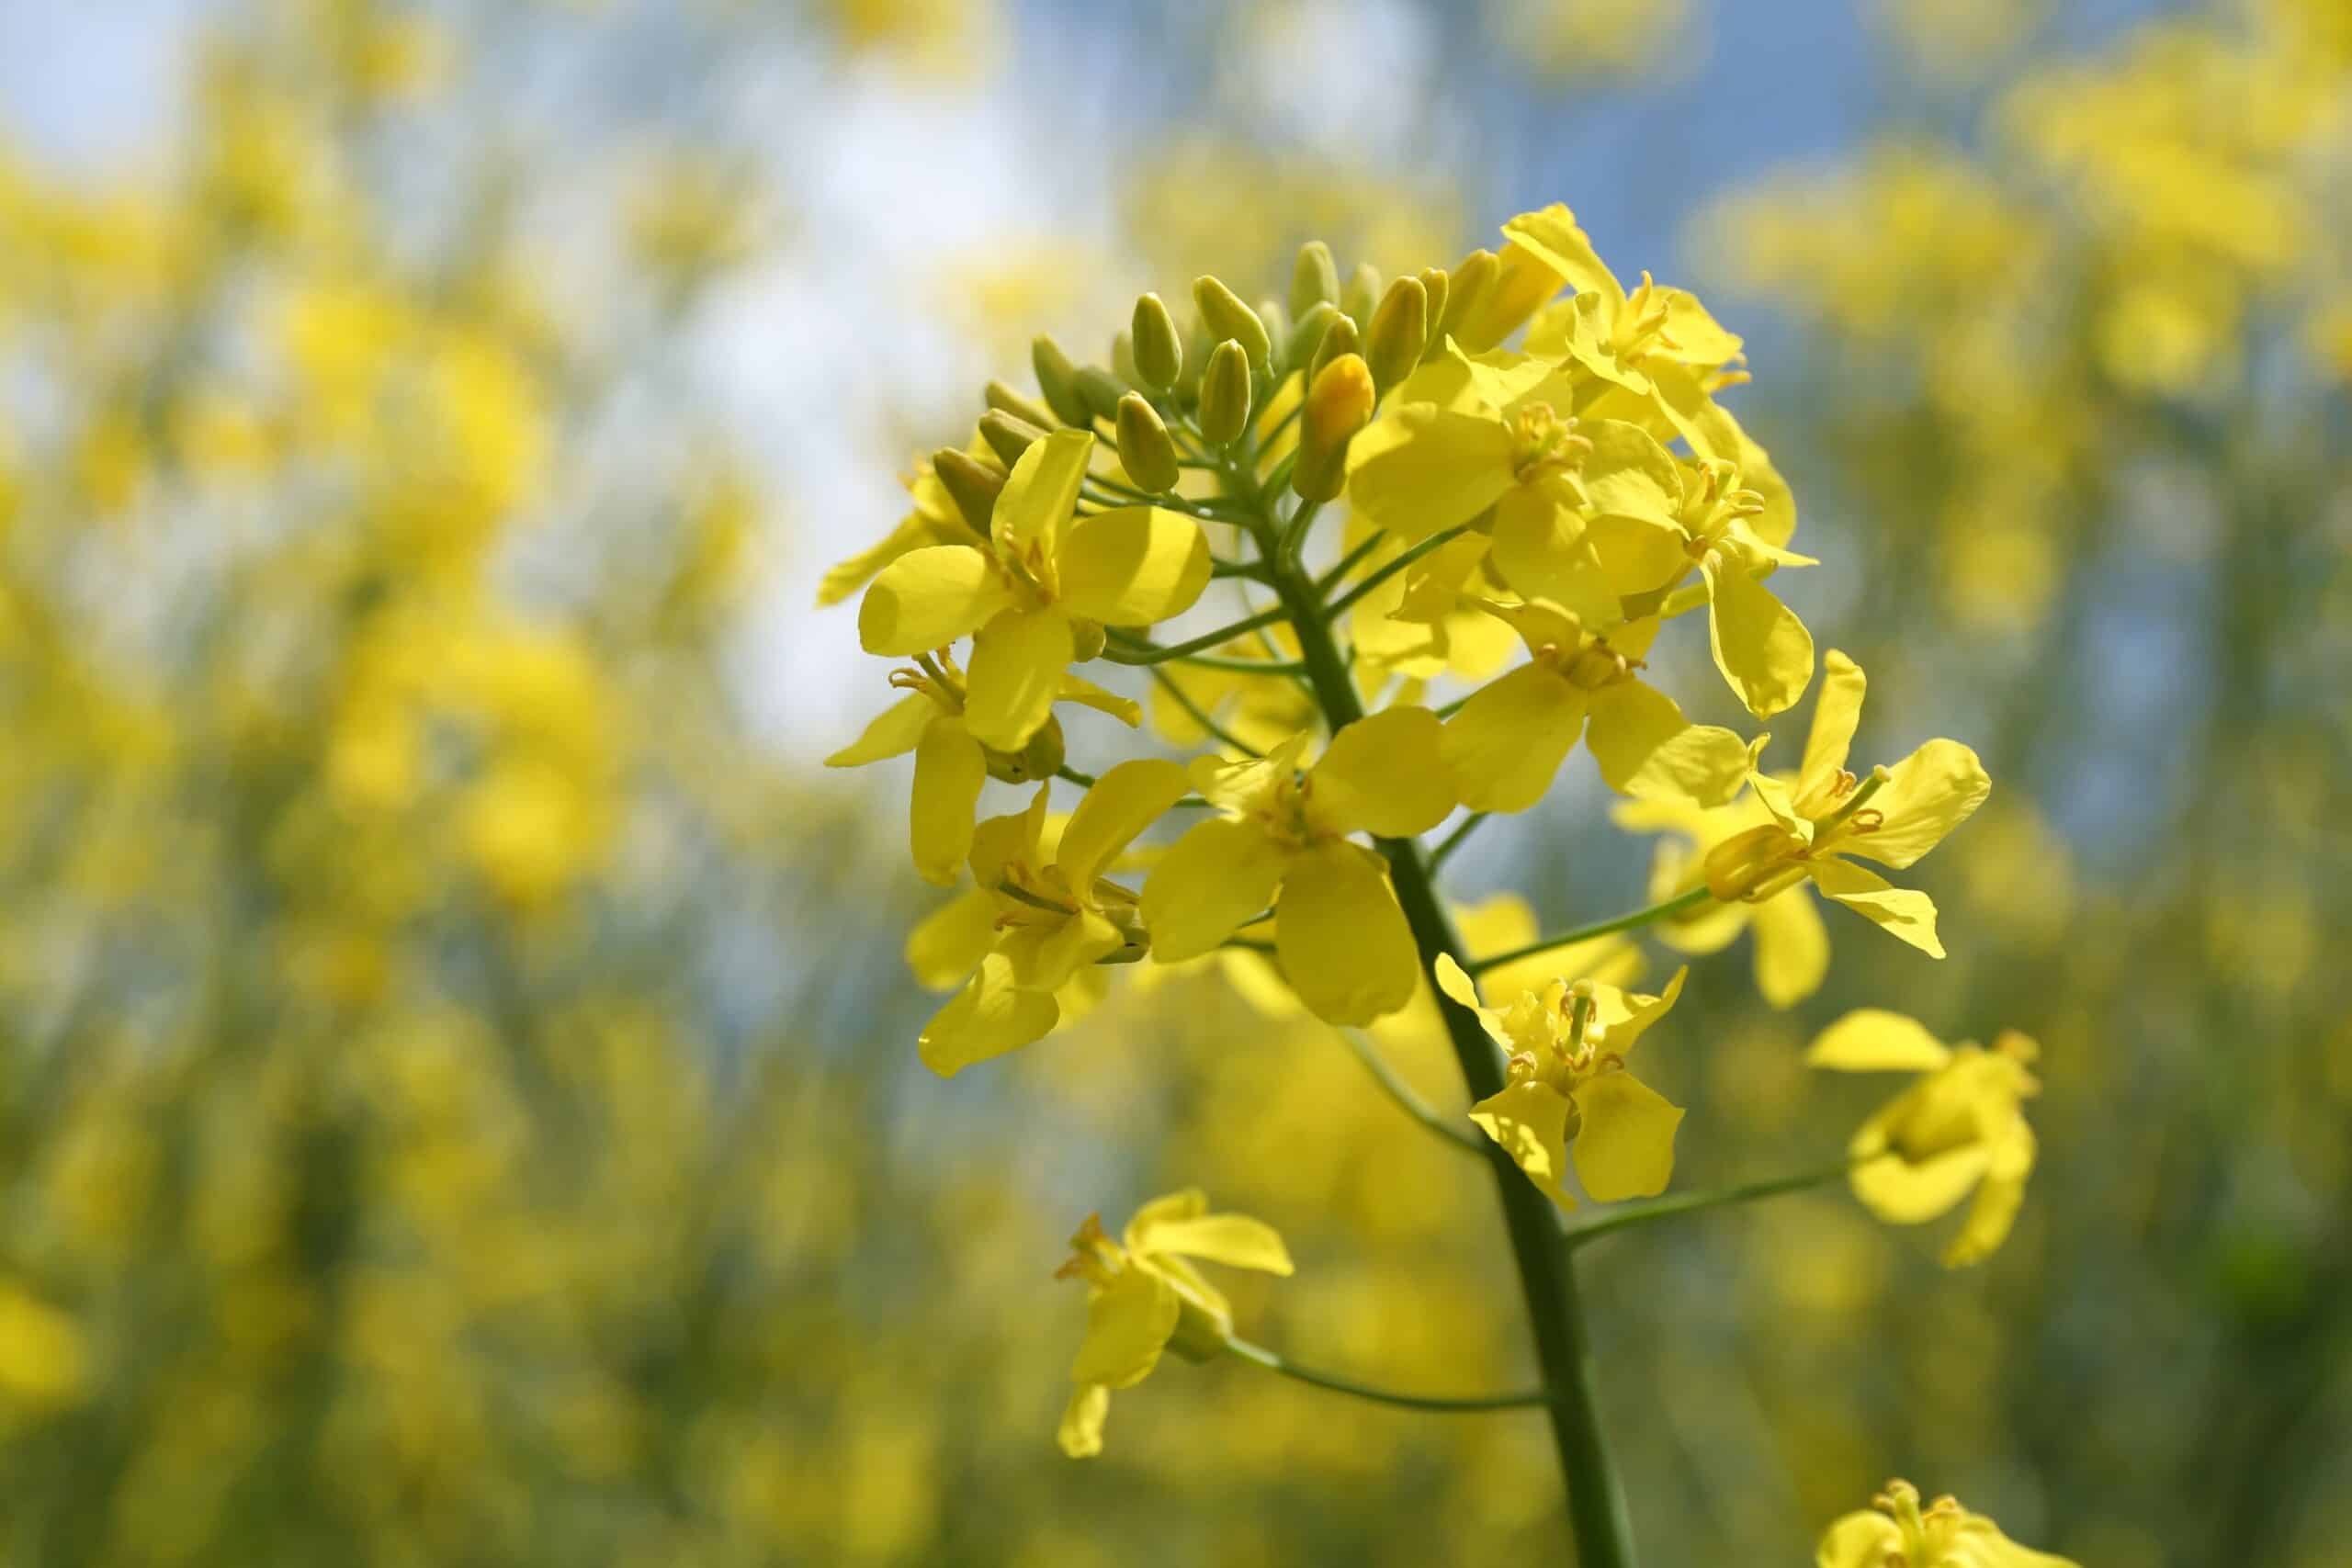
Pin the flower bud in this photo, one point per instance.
(1041, 758)
(1005, 400)
(1224, 394)
(1101, 392)
(1057, 379)
(1123, 360)
(1145, 449)
(1277, 319)
(1314, 279)
(1228, 318)
(1339, 403)
(1160, 352)
(1306, 337)
(1464, 289)
(1362, 294)
(1340, 338)
(1399, 327)
(1753, 865)
(971, 484)
(1437, 285)
(1009, 436)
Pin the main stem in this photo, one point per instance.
(1597, 1513)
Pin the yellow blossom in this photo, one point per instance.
(1897, 1532)
(1792, 948)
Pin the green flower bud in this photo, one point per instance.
(1160, 352)
(1123, 360)
(1399, 328)
(1057, 379)
(1339, 403)
(1437, 285)
(1005, 400)
(1145, 449)
(1362, 294)
(1009, 436)
(1101, 392)
(1306, 337)
(1340, 338)
(971, 484)
(1224, 393)
(1040, 759)
(1277, 319)
(1465, 290)
(1314, 279)
(1228, 318)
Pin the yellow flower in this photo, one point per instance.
(1895, 1532)
(1569, 1084)
(1629, 338)
(1961, 1128)
(1792, 948)
(951, 764)
(1284, 840)
(1145, 1297)
(933, 521)
(1038, 593)
(1462, 434)
(1052, 918)
(1512, 735)
(1893, 818)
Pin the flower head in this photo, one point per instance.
(1569, 1086)
(1897, 1532)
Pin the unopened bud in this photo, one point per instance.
(1399, 327)
(1145, 449)
(971, 484)
(1464, 290)
(1160, 352)
(1224, 393)
(1040, 759)
(1123, 360)
(1306, 337)
(1005, 400)
(1057, 381)
(1009, 436)
(1340, 338)
(1277, 319)
(1362, 294)
(1753, 865)
(1228, 318)
(1339, 403)
(1314, 279)
(1437, 284)
(1101, 392)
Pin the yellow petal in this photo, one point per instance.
(1903, 1193)
(1455, 982)
(1873, 1040)
(1531, 1121)
(1990, 1218)
(1041, 492)
(1926, 796)
(948, 943)
(1622, 1016)
(1124, 802)
(999, 841)
(1509, 739)
(1553, 237)
(1638, 558)
(949, 773)
(988, 1018)
(1235, 1240)
(1342, 941)
(1900, 912)
(1215, 876)
(927, 599)
(1625, 1148)
(913, 532)
(1760, 645)
(1859, 1540)
(1128, 1323)
(1646, 746)
(1132, 567)
(1080, 1433)
(895, 730)
(1835, 713)
(1541, 550)
(1044, 957)
(1018, 662)
(1086, 694)
(1629, 476)
(1791, 947)
(1382, 775)
(1419, 468)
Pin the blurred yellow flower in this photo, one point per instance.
(1896, 1532)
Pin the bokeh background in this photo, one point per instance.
(458, 1097)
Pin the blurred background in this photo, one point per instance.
(457, 1096)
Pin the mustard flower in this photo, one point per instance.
(1036, 594)
(1145, 1297)
(1285, 840)
(951, 764)
(1792, 946)
(1895, 816)
(1510, 738)
(1568, 1086)
(1619, 335)
(1961, 1128)
(1052, 917)
(1896, 1532)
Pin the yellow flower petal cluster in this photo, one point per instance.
(1898, 1531)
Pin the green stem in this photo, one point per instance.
(1348, 563)
(1463, 1405)
(1390, 568)
(1136, 650)
(1667, 910)
(1597, 1513)
(1199, 715)
(1407, 1099)
(1453, 841)
(1618, 1216)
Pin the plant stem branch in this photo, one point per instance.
(1453, 841)
(1457, 1404)
(1672, 907)
(1136, 650)
(1390, 568)
(1618, 1216)
(1406, 1097)
(1199, 715)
